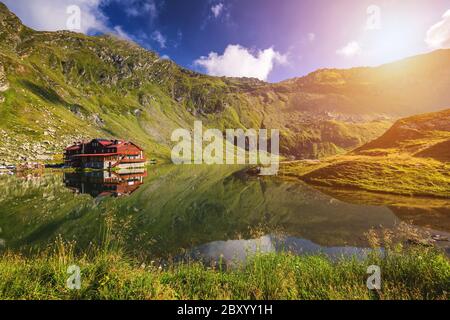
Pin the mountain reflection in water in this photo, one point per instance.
(194, 211)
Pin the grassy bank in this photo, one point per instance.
(413, 273)
(394, 174)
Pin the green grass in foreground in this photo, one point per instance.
(412, 273)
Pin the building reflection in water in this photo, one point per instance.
(105, 183)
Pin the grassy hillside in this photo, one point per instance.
(411, 158)
(414, 85)
(58, 87)
(425, 135)
(62, 86)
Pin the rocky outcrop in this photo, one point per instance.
(13, 149)
(4, 84)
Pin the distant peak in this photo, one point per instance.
(8, 17)
(4, 10)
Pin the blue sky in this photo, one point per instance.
(272, 40)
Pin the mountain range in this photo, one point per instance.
(412, 158)
(61, 87)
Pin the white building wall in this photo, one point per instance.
(131, 165)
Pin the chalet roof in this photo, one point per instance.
(132, 143)
(96, 154)
(104, 142)
(128, 153)
(74, 147)
(107, 144)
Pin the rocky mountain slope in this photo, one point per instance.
(58, 87)
(411, 158)
(411, 86)
(426, 135)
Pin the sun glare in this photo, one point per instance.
(399, 37)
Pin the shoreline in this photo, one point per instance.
(109, 274)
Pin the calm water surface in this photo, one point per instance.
(200, 212)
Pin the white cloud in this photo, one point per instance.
(51, 15)
(438, 36)
(350, 50)
(311, 36)
(137, 8)
(238, 61)
(159, 38)
(217, 9)
(122, 34)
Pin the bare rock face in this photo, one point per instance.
(4, 84)
(97, 120)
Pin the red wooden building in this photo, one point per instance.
(104, 154)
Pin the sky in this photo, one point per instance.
(271, 40)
